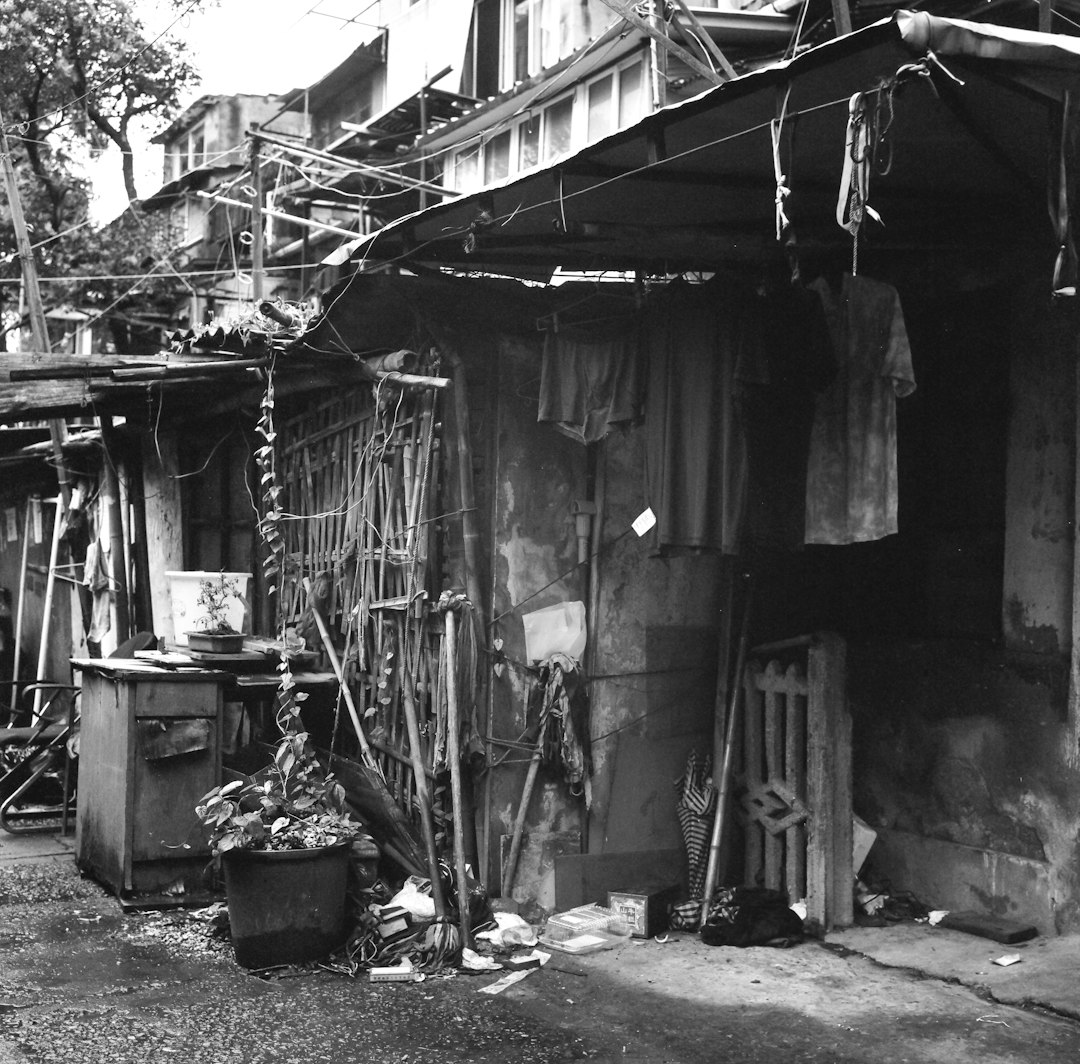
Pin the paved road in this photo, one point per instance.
(81, 981)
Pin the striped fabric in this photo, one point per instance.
(694, 810)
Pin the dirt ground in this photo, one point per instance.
(82, 980)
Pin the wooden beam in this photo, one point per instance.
(39, 326)
(841, 14)
(706, 40)
(623, 10)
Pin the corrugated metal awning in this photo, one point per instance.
(968, 113)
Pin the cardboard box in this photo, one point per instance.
(644, 909)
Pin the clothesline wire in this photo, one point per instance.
(363, 268)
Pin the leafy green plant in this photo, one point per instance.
(214, 598)
(291, 805)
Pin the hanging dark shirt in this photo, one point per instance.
(696, 458)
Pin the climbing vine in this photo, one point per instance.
(274, 568)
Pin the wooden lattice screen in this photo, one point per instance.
(361, 479)
(793, 776)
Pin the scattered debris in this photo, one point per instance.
(1006, 959)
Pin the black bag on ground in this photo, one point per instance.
(752, 916)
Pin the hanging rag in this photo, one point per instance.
(695, 448)
(561, 699)
(96, 579)
(777, 409)
(852, 492)
(587, 386)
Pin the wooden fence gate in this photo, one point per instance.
(793, 776)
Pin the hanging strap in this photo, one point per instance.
(776, 129)
(1065, 265)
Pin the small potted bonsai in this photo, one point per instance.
(283, 837)
(214, 634)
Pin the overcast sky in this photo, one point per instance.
(255, 46)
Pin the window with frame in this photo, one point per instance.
(537, 34)
(610, 101)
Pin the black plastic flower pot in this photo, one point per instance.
(286, 906)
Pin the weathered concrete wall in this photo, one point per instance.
(962, 748)
(537, 474)
(652, 655)
(954, 746)
(656, 651)
(1037, 599)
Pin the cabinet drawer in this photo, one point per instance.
(176, 699)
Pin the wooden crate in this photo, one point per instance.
(150, 748)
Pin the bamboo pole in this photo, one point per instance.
(117, 552)
(510, 868)
(423, 795)
(720, 816)
(257, 223)
(335, 664)
(20, 610)
(46, 617)
(453, 754)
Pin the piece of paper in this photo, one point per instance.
(11, 520)
(1007, 959)
(506, 981)
(644, 521)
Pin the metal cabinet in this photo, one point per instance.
(149, 749)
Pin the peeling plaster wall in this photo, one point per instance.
(957, 748)
(962, 756)
(537, 475)
(654, 648)
(657, 643)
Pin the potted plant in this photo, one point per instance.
(283, 838)
(214, 633)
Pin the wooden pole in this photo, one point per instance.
(335, 664)
(841, 13)
(256, 223)
(423, 795)
(510, 870)
(20, 611)
(724, 782)
(38, 325)
(423, 157)
(117, 554)
(470, 532)
(710, 44)
(46, 617)
(624, 10)
(453, 754)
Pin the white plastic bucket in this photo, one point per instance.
(187, 615)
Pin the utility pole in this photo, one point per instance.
(39, 327)
(256, 223)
